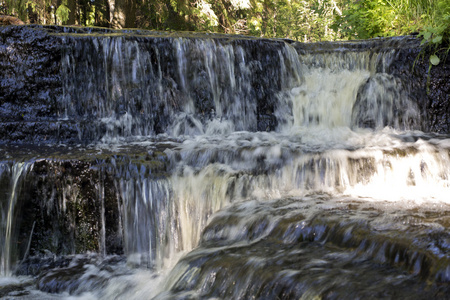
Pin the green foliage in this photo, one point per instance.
(174, 4)
(303, 20)
(299, 20)
(17, 8)
(62, 12)
(437, 35)
(366, 19)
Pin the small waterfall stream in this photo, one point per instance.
(228, 168)
(9, 215)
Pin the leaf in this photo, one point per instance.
(426, 35)
(434, 60)
(437, 39)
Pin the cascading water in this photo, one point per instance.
(9, 216)
(230, 168)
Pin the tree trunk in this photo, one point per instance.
(130, 13)
(118, 20)
(124, 14)
(72, 5)
(111, 4)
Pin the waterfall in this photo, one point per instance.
(181, 86)
(9, 213)
(229, 167)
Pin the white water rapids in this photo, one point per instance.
(233, 196)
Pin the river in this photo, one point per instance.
(228, 168)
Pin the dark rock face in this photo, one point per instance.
(438, 106)
(430, 88)
(69, 202)
(30, 83)
(60, 206)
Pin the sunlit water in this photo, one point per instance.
(321, 207)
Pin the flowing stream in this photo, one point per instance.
(215, 168)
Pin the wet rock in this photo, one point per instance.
(429, 88)
(83, 273)
(15, 290)
(331, 255)
(70, 201)
(30, 84)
